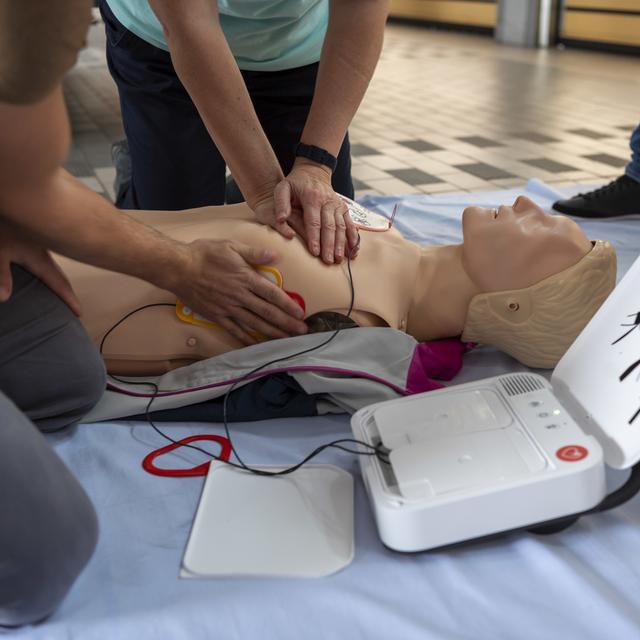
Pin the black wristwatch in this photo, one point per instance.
(321, 156)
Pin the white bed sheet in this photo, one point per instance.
(583, 583)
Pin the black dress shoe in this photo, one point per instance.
(618, 198)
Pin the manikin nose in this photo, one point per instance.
(522, 206)
(517, 202)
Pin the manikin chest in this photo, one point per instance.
(383, 276)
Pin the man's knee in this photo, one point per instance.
(42, 566)
(89, 378)
(48, 364)
(82, 385)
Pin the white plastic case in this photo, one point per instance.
(512, 451)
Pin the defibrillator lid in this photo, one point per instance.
(598, 378)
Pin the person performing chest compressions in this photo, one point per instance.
(267, 89)
(523, 281)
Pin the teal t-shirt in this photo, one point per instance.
(264, 35)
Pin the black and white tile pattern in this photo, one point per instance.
(445, 112)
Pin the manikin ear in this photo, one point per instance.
(538, 324)
(504, 319)
(511, 307)
(490, 314)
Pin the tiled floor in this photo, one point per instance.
(445, 112)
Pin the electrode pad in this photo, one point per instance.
(298, 525)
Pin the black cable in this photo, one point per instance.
(117, 324)
(293, 468)
(156, 390)
(629, 489)
(373, 450)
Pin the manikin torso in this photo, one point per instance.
(156, 339)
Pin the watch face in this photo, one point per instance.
(364, 218)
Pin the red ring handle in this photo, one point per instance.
(199, 470)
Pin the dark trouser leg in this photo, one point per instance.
(282, 100)
(48, 365)
(633, 168)
(50, 371)
(174, 163)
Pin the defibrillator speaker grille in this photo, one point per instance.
(518, 383)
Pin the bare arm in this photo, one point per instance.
(29, 71)
(350, 53)
(48, 207)
(57, 211)
(206, 67)
(349, 56)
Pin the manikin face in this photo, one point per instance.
(513, 247)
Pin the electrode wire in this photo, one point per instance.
(372, 450)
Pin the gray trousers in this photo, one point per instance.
(50, 376)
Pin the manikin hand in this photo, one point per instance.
(36, 260)
(221, 284)
(306, 203)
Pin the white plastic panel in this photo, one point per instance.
(442, 414)
(298, 525)
(598, 379)
(473, 460)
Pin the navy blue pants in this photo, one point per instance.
(175, 164)
(633, 168)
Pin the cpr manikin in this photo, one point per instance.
(523, 281)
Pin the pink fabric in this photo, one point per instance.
(440, 359)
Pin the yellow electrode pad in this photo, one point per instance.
(188, 315)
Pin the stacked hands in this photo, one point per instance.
(304, 203)
(217, 278)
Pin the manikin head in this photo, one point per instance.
(541, 280)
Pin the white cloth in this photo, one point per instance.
(582, 584)
(357, 367)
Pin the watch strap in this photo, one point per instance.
(317, 154)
